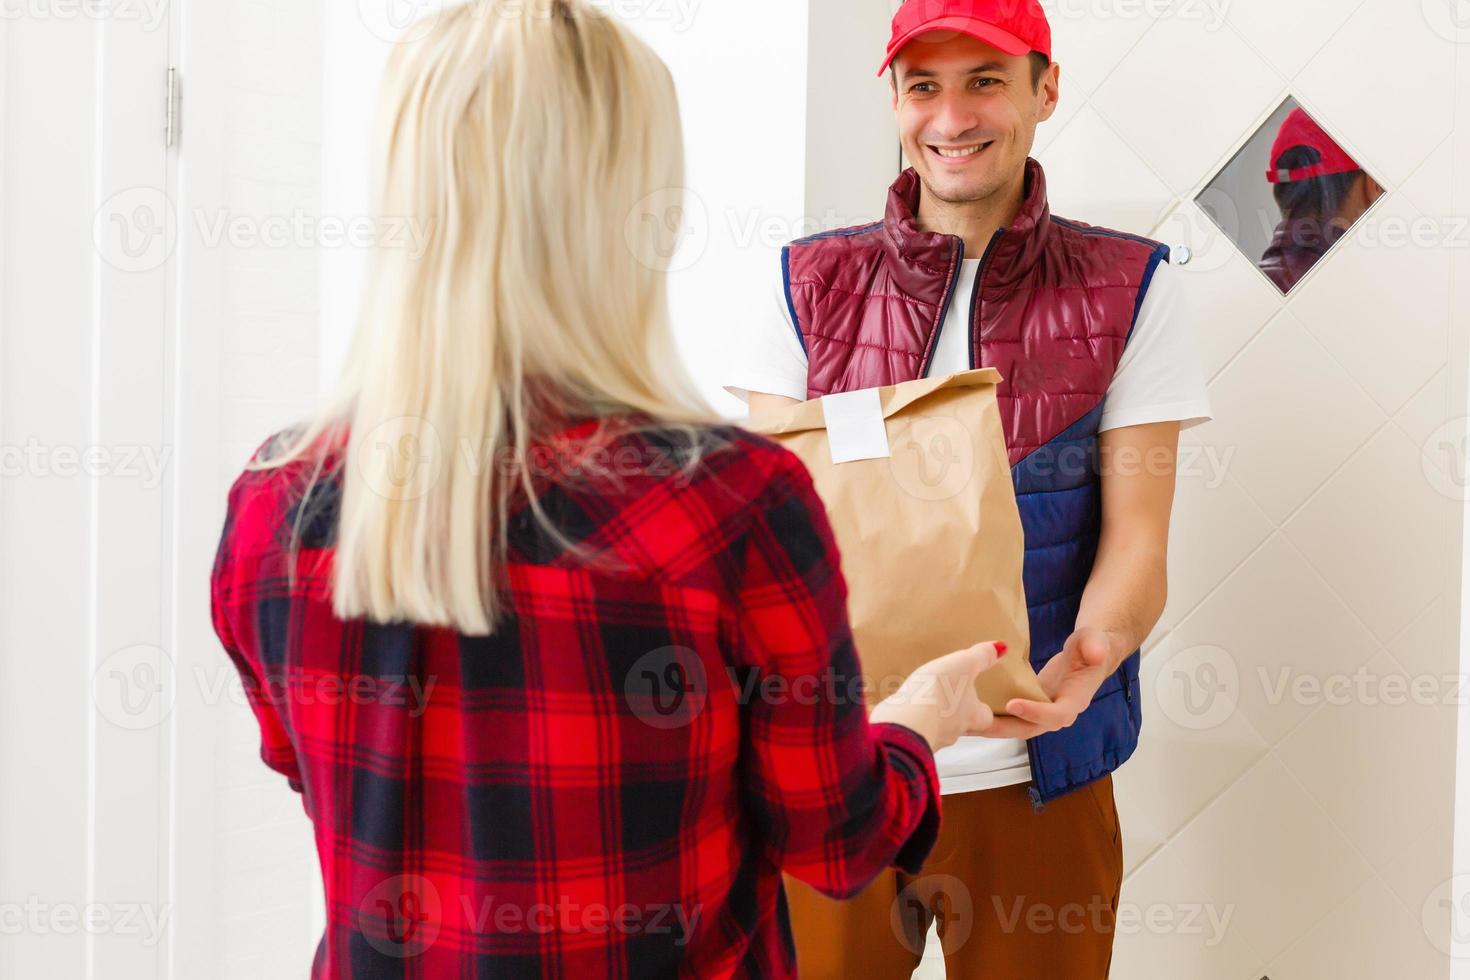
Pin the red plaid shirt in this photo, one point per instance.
(611, 784)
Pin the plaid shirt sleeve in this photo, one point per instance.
(276, 748)
(836, 799)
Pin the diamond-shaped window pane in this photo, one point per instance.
(1289, 195)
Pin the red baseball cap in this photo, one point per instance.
(1016, 27)
(1300, 129)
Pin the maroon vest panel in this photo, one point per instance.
(1053, 309)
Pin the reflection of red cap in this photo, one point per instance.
(1016, 27)
(1301, 129)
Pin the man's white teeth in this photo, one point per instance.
(968, 151)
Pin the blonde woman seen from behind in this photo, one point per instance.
(566, 614)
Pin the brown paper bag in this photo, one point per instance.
(930, 535)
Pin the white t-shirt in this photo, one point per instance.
(1160, 378)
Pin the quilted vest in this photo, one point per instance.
(1053, 309)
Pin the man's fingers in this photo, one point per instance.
(1094, 652)
(1004, 727)
(1049, 717)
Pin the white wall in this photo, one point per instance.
(353, 56)
(851, 138)
(250, 154)
(788, 132)
(741, 75)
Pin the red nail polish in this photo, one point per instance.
(1000, 648)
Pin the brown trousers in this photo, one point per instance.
(1017, 895)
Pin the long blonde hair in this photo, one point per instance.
(532, 138)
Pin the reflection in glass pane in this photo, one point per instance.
(1289, 195)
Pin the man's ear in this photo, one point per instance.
(1049, 89)
(893, 86)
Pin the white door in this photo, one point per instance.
(1290, 809)
(153, 326)
(85, 539)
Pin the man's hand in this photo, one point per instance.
(1127, 587)
(1070, 679)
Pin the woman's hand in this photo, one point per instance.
(938, 700)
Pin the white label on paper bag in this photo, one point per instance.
(855, 426)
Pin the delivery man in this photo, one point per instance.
(1089, 328)
(1322, 192)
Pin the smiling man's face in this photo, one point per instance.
(967, 114)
